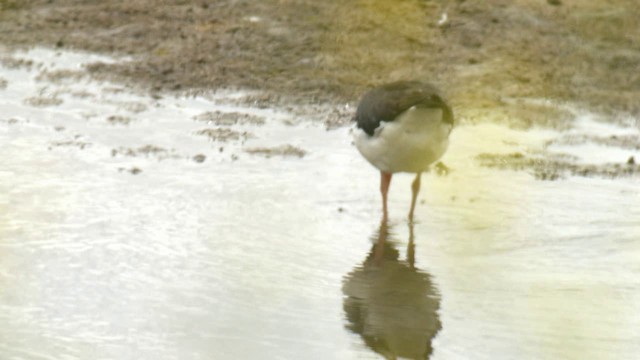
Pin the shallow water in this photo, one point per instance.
(114, 249)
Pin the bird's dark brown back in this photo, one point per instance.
(386, 102)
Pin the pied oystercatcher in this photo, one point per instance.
(402, 126)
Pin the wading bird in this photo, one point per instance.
(402, 127)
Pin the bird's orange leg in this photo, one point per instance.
(385, 181)
(415, 189)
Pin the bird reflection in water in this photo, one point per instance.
(392, 305)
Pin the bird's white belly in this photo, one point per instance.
(416, 139)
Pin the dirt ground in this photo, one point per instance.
(487, 55)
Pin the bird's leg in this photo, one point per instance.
(415, 189)
(385, 181)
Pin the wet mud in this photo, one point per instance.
(482, 53)
(557, 167)
(229, 118)
(286, 150)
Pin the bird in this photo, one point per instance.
(402, 126)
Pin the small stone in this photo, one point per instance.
(441, 169)
(631, 161)
(120, 120)
(199, 158)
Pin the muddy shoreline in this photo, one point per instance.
(483, 54)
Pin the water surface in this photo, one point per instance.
(115, 243)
